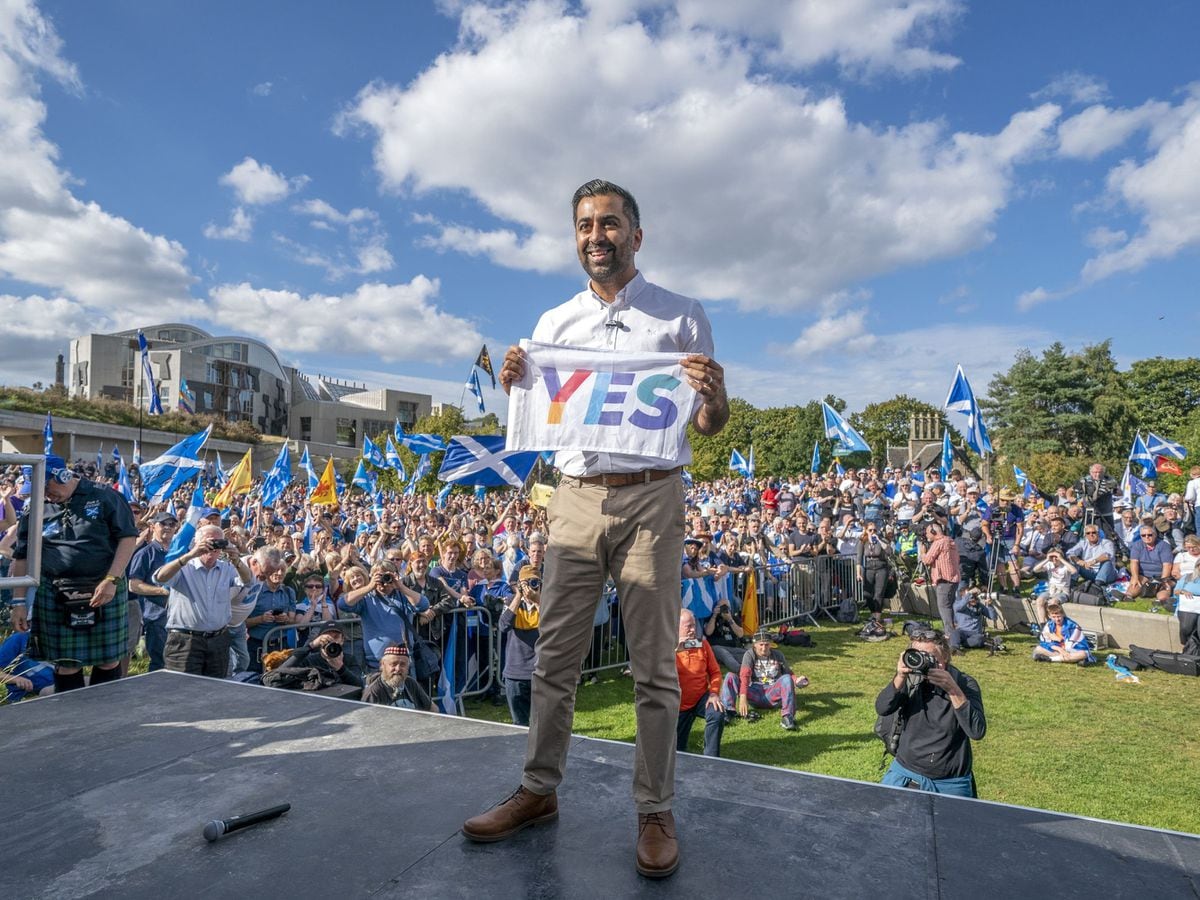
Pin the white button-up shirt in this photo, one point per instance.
(643, 316)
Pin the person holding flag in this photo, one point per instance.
(618, 514)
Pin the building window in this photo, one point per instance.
(407, 413)
(306, 428)
(347, 433)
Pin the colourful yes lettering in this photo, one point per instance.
(561, 393)
(668, 412)
(602, 396)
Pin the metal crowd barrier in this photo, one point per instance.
(36, 510)
(474, 664)
(608, 649)
(802, 590)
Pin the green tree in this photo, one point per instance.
(887, 423)
(1165, 393)
(710, 454)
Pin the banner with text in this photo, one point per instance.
(600, 401)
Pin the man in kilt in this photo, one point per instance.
(79, 615)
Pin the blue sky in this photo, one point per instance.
(865, 193)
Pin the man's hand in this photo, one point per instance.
(428, 616)
(105, 591)
(20, 619)
(743, 706)
(707, 378)
(940, 678)
(513, 368)
(713, 702)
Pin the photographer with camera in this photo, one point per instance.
(874, 565)
(940, 712)
(205, 584)
(519, 623)
(724, 634)
(972, 612)
(326, 652)
(389, 610)
(1097, 489)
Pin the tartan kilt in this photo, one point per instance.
(52, 640)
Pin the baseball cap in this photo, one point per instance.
(164, 517)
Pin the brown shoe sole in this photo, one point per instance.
(503, 835)
(657, 873)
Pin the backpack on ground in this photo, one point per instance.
(1166, 661)
(794, 637)
(1087, 598)
(847, 612)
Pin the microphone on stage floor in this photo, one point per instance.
(218, 827)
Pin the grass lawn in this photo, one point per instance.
(1059, 737)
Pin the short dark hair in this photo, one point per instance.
(598, 187)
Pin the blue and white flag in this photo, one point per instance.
(446, 701)
(308, 529)
(187, 397)
(738, 463)
(137, 453)
(306, 464)
(100, 458)
(442, 495)
(278, 478)
(423, 443)
(187, 528)
(846, 439)
(947, 456)
(48, 437)
(362, 478)
(816, 457)
(480, 491)
(373, 454)
(123, 483)
(339, 483)
(750, 461)
(1157, 446)
(392, 455)
(687, 478)
(116, 454)
(219, 474)
(474, 388)
(961, 399)
(482, 459)
(1140, 454)
(163, 475)
(155, 403)
(1019, 475)
(701, 595)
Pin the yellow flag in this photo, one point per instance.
(325, 493)
(750, 605)
(540, 494)
(240, 480)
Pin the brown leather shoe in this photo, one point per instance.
(657, 849)
(522, 809)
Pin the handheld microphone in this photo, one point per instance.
(218, 827)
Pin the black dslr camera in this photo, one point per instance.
(332, 649)
(919, 662)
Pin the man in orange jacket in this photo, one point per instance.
(699, 687)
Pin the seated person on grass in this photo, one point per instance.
(1093, 556)
(1151, 567)
(972, 611)
(1062, 640)
(1058, 574)
(765, 680)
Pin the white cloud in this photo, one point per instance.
(1099, 129)
(238, 229)
(321, 210)
(1075, 87)
(256, 183)
(262, 89)
(842, 333)
(1103, 237)
(393, 321)
(816, 201)
(367, 253)
(49, 237)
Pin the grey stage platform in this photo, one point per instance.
(105, 792)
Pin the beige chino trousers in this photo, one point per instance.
(635, 534)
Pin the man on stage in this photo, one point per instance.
(619, 515)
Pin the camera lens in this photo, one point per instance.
(917, 660)
(333, 649)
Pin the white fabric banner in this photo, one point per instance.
(600, 401)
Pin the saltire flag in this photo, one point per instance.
(837, 429)
(116, 454)
(1157, 446)
(947, 456)
(446, 701)
(482, 459)
(442, 495)
(750, 461)
(816, 458)
(48, 437)
(839, 469)
(241, 479)
(1167, 466)
(278, 478)
(1140, 455)
(484, 361)
(182, 542)
(171, 508)
(165, 474)
(100, 457)
(423, 443)
(419, 472)
(187, 399)
(961, 399)
(750, 604)
(1021, 477)
(325, 493)
(373, 454)
(701, 595)
(398, 431)
(480, 491)
(474, 388)
(687, 478)
(392, 455)
(339, 482)
(219, 472)
(306, 465)
(155, 403)
(123, 483)
(362, 478)
(738, 463)
(308, 529)
(137, 453)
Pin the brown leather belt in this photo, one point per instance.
(624, 479)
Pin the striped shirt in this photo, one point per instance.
(942, 559)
